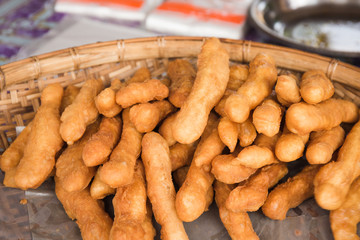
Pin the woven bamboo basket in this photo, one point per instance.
(21, 82)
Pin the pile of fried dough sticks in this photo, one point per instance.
(226, 128)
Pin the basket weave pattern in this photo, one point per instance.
(21, 82)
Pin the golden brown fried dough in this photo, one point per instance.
(237, 76)
(166, 131)
(44, 141)
(226, 170)
(181, 154)
(182, 75)
(303, 118)
(334, 179)
(71, 171)
(287, 90)
(119, 170)
(93, 221)
(9, 178)
(81, 113)
(259, 84)
(267, 117)
(99, 189)
(228, 132)
(160, 188)
(238, 225)
(344, 220)
(209, 86)
(70, 94)
(315, 87)
(291, 193)
(290, 146)
(101, 144)
(323, 144)
(141, 92)
(146, 116)
(141, 75)
(220, 106)
(247, 133)
(251, 195)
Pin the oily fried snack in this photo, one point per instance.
(287, 90)
(119, 170)
(9, 178)
(251, 195)
(323, 144)
(93, 221)
(344, 220)
(247, 132)
(237, 76)
(315, 87)
(166, 131)
(334, 179)
(160, 188)
(141, 75)
(303, 118)
(179, 178)
(238, 225)
(290, 146)
(291, 193)
(259, 84)
(182, 75)
(141, 92)
(99, 189)
(228, 132)
(71, 170)
(11, 157)
(220, 106)
(70, 94)
(259, 154)
(146, 116)
(181, 154)
(226, 170)
(81, 113)
(101, 144)
(44, 141)
(209, 86)
(267, 117)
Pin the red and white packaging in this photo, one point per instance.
(217, 18)
(131, 10)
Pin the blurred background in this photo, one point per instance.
(31, 27)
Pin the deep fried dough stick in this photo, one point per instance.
(220, 106)
(226, 172)
(237, 76)
(160, 188)
(70, 94)
(344, 220)
(71, 170)
(166, 131)
(323, 144)
(145, 116)
(267, 117)
(290, 146)
(259, 84)
(291, 193)
(9, 178)
(251, 195)
(99, 189)
(302, 118)
(93, 221)
(228, 132)
(101, 144)
(209, 86)
(247, 132)
(119, 170)
(182, 75)
(141, 92)
(44, 141)
(81, 113)
(238, 225)
(259, 154)
(315, 87)
(11, 157)
(287, 90)
(334, 179)
(141, 75)
(181, 154)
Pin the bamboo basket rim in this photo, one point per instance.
(90, 55)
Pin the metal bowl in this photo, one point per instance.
(329, 27)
